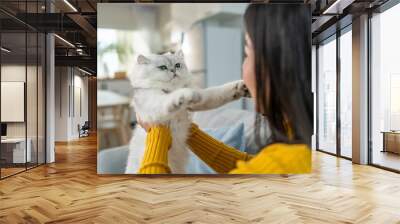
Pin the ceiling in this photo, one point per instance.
(76, 21)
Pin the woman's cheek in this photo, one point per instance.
(248, 73)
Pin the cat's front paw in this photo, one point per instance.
(182, 99)
(240, 90)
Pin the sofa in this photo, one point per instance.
(232, 126)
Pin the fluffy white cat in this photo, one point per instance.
(164, 93)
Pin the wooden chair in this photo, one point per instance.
(114, 122)
(83, 130)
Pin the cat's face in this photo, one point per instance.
(167, 70)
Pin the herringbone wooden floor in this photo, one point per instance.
(70, 191)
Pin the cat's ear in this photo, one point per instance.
(142, 60)
(179, 53)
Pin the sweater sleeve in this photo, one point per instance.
(222, 158)
(155, 159)
(277, 159)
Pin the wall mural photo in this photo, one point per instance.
(197, 89)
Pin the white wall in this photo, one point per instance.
(80, 83)
(185, 15)
(164, 22)
(33, 126)
(223, 57)
(68, 82)
(17, 73)
(213, 51)
(123, 16)
(147, 29)
(61, 103)
(14, 73)
(112, 26)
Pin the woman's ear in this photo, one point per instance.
(142, 60)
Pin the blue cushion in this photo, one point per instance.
(233, 136)
(112, 161)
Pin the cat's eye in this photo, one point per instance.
(177, 65)
(163, 67)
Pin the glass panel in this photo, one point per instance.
(13, 87)
(23, 90)
(313, 87)
(385, 87)
(32, 90)
(31, 98)
(346, 94)
(327, 96)
(41, 98)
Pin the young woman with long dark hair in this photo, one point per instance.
(277, 72)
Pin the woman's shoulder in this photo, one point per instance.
(286, 149)
(278, 158)
(289, 153)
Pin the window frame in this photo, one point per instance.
(381, 9)
(333, 37)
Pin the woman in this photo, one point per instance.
(277, 72)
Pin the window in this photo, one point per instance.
(346, 93)
(327, 96)
(335, 137)
(385, 89)
(116, 48)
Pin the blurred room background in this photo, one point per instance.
(210, 35)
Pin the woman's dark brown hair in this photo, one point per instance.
(281, 37)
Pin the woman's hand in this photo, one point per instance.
(145, 126)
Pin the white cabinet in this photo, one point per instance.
(214, 52)
(16, 147)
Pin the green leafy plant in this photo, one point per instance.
(122, 47)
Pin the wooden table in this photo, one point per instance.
(391, 141)
(113, 116)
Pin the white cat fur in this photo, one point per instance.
(168, 97)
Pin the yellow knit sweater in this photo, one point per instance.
(273, 159)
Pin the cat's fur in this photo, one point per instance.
(166, 95)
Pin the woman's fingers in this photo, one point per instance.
(138, 119)
(144, 125)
